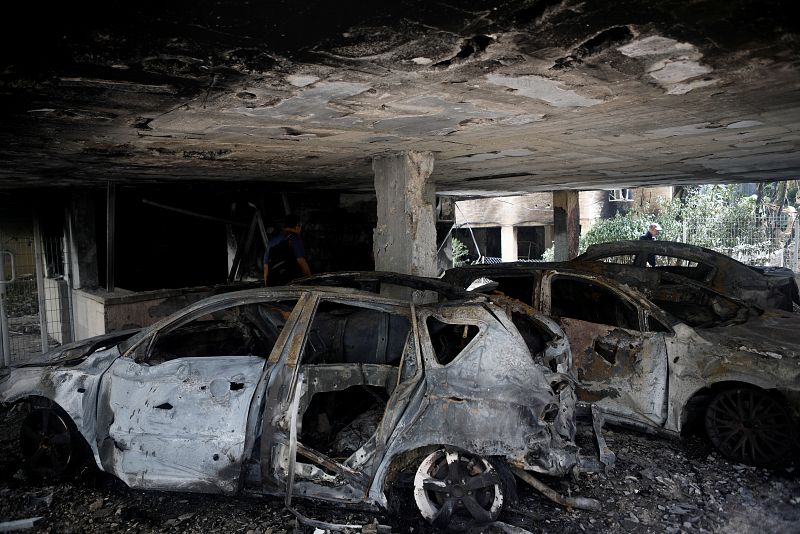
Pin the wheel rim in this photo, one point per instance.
(454, 490)
(46, 443)
(750, 426)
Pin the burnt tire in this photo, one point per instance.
(458, 491)
(750, 425)
(50, 445)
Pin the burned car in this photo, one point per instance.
(765, 287)
(664, 357)
(323, 393)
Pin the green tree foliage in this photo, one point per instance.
(460, 252)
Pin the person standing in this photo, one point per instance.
(651, 234)
(285, 257)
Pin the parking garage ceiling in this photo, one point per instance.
(511, 96)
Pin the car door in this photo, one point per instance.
(340, 398)
(619, 365)
(172, 414)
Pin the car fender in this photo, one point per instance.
(73, 389)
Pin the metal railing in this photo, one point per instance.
(754, 240)
(26, 326)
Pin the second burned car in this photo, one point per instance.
(658, 351)
(324, 393)
(765, 287)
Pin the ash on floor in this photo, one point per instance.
(657, 485)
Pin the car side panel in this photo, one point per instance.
(622, 371)
(179, 425)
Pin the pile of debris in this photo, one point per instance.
(657, 485)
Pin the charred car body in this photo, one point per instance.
(324, 393)
(668, 353)
(765, 287)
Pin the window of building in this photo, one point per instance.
(620, 195)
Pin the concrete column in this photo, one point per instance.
(444, 233)
(548, 236)
(508, 243)
(38, 251)
(82, 241)
(405, 237)
(567, 224)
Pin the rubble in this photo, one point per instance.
(657, 485)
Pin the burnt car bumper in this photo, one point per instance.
(553, 451)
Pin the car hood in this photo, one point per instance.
(773, 334)
(77, 351)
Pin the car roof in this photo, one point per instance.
(634, 285)
(295, 291)
(652, 246)
(372, 280)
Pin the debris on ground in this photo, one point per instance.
(657, 485)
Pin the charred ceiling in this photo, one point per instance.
(510, 95)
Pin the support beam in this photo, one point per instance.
(446, 218)
(111, 217)
(82, 242)
(508, 243)
(38, 251)
(548, 236)
(5, 335)
(405, 237)
(567, 224)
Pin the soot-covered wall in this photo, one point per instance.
(162, 248)
(159, 248)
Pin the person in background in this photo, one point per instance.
(285, 257)
(651, 234)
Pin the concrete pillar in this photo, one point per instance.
(405, 237)
(444, 233)
(548, 236)
(508, 243)
(567, 224)
(82, 241)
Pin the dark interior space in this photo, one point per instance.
(486, 239)
(338, 423)
(159, 248)
(585, 301)
(448, 339)
(172, 236)
(530, 242)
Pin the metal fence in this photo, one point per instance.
(752, 240)
(24, 301)
(493, 260)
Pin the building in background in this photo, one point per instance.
(521, 227)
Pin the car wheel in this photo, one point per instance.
(749, 425)
(49, 445)
(455, 491)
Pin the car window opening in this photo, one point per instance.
(535, 339)
(245, 330)
(342, 333)
(696, 307)
(693, 270)
(516, 287)
(654, 325)
(449, 339)
(586, 301)
(623, 259)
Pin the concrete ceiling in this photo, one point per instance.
(511, 96)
